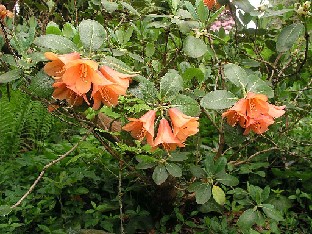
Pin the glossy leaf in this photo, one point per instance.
(174, 169)
(10, 76)
(219, 99)
(202, 193)
(288, 36)
(171, 84)
(92, 34)
(194, 47)
(236, 75)
(247, 219)
(218, 194)
(56, 43)
(271, 212)
(186, 104)
(160, 174)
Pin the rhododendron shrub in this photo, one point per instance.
(185, 127)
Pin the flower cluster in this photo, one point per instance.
(225, 21)
(76, 77)
(303, 9)
(4, 12)
(169, 137)
(253, 113)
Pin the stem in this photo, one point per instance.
(61, 157)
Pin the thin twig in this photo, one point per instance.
(235, 163)
(61, 157)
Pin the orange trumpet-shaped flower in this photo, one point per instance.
(253, 113)
(56, 67)
(237, 113)
(183, 125)
(166, 137)
(142, 127)
(116, 77)
(257, 104)
(259, 125)
(4, 12)
(62, 92)
(106, 94)
(109, 93)
(80, 74)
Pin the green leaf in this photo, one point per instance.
(271, 212)
(53, 28)
(202, 11)
(227, 179)
(219, 99)
(178, 157)
(92, 34)
(288, 36)
(257, 85)
(194, 47)
(190, 8)
(220, 164)
(186, 104)
(5, 210)
(160, 174)
(41, 85)
(244, 5)
(174, 169)
(171, 84)
(130, 8)
(218, 195)
(197, 171)
(209, 165)
(236, 75)
(110, 7)
(68, 30)
(10, 76)
(202, 193)
(191, 73)
(56, 43)
(247, 219)
(146, 89)
(149, 49)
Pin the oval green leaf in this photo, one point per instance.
(56, 43)
(160, 174)
(10, 76)
(289, 36)
(194, 47)
(217, 100)
(92, 34)
(218, 195)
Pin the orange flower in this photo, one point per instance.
(237, 113)
(4, 12)
(212, 4)
(116, 77)
(62, 92)
(253, 113)
(56, 67)
(166, 137)
(276, 111)
(80, 74)
(183, 125)
(259, 125)
(257, 104)
(109, 93)
(144, 126)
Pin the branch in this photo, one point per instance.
(235, 163)
(32, 187)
